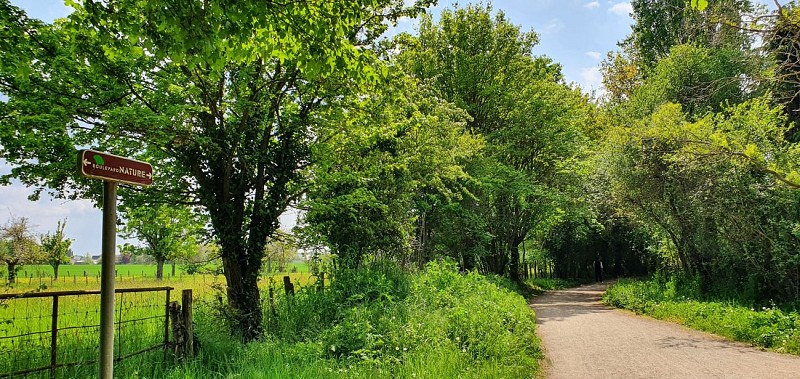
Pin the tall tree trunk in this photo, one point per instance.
(173, 268)
(55, 271)
(159, 269)
(12, 272)
(244, 297)
(513, 266)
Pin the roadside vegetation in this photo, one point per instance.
(374, 322)
(679, 300)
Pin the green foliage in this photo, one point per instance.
(281, 249)
(661, 24)
(532, 124)
(169, 232)
(700, 5)
(699, 163)
(55, 247)
(378, 164)
(705, 190)
(379, 317)
(780, 38)
(678, 300)
(222, 97)
(17, 246)
(700, 79)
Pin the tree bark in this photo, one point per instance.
(12, 272)
(159, 269)
(244, 297)
(513, 265)
(55, 271)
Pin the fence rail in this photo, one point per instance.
(43, 331)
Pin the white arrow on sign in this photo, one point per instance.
(86, 162)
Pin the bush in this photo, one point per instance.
(382, 322)
(386, 322)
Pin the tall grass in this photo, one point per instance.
(78, 320)
(380, 322)
(677, 300)
(375, 322)
(25, 330)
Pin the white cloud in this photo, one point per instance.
(83, 219)
(621, 9)
(592, 5)
(595, 55)
(591, 79)
(553, 26)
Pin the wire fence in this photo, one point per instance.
(46, 334)
(93, 278)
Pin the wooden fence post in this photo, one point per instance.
(288, 286)
(175, 315)
(168, 306)
(188, 328)
(272, 302)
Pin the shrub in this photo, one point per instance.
(381, 317)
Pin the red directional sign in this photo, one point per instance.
(98, 165)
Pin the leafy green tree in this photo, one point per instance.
(56, 247)
(518, 103)
(782, 40)
(621, 76)
(168, 232)
(378, 164)
(659, 25)
(223, 97)
(18, 246)
(712, 187)
(280, 249)
(700, 79)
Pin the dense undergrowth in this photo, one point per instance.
(673, 299)
(380, 322)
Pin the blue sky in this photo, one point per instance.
(575, 33)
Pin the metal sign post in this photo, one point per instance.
(107, 284)
(111, 169)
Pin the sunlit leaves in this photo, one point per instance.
(699, 5)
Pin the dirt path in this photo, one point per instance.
(585, 339)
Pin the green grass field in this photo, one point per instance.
(140, 316)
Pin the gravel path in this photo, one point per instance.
(585, 339)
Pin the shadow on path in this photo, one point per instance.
(563, 304)
(583, 338)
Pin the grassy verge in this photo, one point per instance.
(768, 327)
(377, 322)
(382, 323)
(545, 284)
